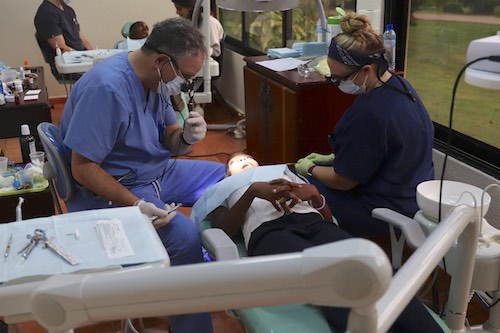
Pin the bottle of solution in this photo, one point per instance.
(27, 142)
(58, 50)
(390, 45)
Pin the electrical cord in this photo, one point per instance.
(495, 58)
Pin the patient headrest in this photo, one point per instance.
(126, 29)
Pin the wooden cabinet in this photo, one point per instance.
(289, 116)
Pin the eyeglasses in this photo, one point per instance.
(173, 63)
(336, 79)
(177, 69)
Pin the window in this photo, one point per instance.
(256, 32)
(438, 37)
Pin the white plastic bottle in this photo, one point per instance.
(390, 45)
(58, 50)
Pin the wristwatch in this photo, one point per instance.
(310, 170)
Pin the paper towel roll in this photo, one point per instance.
(375, 18)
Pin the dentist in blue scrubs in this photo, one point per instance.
(382, 145)
(121, 133)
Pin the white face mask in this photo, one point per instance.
(170, 88)
(349, 87)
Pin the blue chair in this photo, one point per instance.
(57, 169)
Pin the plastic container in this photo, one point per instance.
(333, 24)
(9, 75)
(3, 164)
(27, 142)
(390, 45)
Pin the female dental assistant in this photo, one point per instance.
(382, 145)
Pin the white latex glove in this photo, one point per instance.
(159, 217)
(195, 128)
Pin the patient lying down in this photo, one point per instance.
(277, 213)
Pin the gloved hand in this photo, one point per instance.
(159, 217)
(195, 128)
(303, 165)
(320, 159)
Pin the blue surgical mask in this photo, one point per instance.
(66, 1)
(349, 87)
(170, 88)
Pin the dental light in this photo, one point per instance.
(484, 73)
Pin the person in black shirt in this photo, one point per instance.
(56, 26)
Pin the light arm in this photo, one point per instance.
(319, 275)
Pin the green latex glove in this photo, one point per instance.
(302, 166)
(320, 159)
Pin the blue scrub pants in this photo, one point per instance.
(184, 182)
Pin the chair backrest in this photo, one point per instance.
(58, 160)
(220, 58)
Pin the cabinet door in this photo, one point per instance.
(271, 121)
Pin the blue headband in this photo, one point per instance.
(351, 58)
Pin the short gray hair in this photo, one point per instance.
(177, 37)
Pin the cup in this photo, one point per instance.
(25, 178)
(3, 164)
(37, 159)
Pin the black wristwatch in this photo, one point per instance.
(310, 170)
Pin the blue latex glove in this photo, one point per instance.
(303, 165)
(321, 159)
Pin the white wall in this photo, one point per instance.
(100, 21)
(231, 84)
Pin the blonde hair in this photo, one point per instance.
(357, 35)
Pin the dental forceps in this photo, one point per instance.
(38, 235)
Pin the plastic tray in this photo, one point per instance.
(38, 184)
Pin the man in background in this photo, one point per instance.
(57, 27)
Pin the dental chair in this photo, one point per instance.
(295, 318)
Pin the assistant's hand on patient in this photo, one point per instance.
(158, 216)
(303, 165)
(195, 128)
(321, 159)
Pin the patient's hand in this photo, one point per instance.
(267, 192)
(294, 191)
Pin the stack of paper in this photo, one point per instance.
(283, 52)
